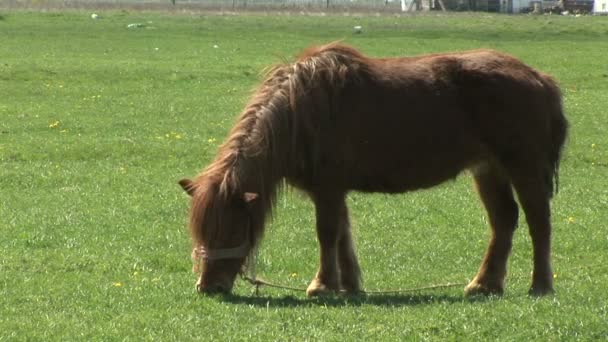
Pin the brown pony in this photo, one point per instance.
(336, 121)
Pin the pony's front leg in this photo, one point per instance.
(328, 209)
(350, 273)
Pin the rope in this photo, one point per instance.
(258, 283)
(249, 275)
(416, 289)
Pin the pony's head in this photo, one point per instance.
(222, 230)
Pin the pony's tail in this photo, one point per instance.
(558, 128)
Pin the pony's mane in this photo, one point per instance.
(255, 154)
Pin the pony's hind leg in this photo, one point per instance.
(497, 196)
(534, 196)
(328, 208)
(350, 273)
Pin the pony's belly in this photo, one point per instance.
(406, 181)
(376, 173)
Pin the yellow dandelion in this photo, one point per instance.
(570, 219)
(117, 284)
(54, 124)
(593, 146)
(293, 275)
(554, 275)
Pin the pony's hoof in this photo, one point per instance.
(540, 291)
(475, 288)
(542, 285)
(318, 289)
(351, 291)
(351, 286)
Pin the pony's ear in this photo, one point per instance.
(249, 197)
(187, 185)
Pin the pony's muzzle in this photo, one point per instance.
(216, 288)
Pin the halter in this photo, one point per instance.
(200, 253)
(240, 251)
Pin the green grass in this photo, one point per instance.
(98, 122)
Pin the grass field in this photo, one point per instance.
(98, 122)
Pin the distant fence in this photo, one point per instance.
(376, 5)
(390, 6)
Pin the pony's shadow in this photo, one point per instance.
(389, 300)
